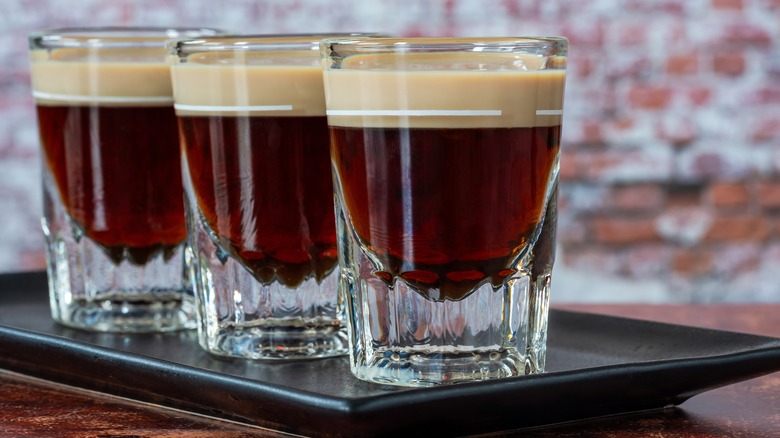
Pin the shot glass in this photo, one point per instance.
(445, 165)
(113, 216)
(256, 165)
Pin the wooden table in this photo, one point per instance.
(34, 408)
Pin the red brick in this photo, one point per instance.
(729, 64)
(581, 66)
(768, 94)
(592, 132)
(682, 64)
(624, 130)
(709, 161)
(683, 199)
(515, 9)
(585, 132)
(746, 34)
(622, 123)
(733, 5)
(637, 198)
(725, 194)
(650, 97)
(570, 169)
(630, 33)
(583, 33)
(739, 228)
(692, 261)
(766, 129)
(676, 7)
(698, 96)
(623, 231)
(769, 194)
(672, 7)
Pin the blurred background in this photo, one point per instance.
(670, 174)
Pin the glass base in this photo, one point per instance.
(401, 338)
(117, 312)
(523, 352)
(87, 290)
(112, 289)
(433, 367)
(243, 317)
(276, 341)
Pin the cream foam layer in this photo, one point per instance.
(258, 84)
(126, 77)
(444, 90)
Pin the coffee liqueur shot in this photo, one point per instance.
(445, 160)
(113, 211)
(251, 114)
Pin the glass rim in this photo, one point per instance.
(449, 43)
(114, 36)
(260, 42)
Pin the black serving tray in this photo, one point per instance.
(597, 365)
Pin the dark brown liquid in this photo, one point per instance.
(264, 186)
(118, 173)
(445, 209)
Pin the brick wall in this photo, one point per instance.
(670, 173)
(671, 168)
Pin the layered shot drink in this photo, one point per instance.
(251, 114)
(113, 210)
(445, 160)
